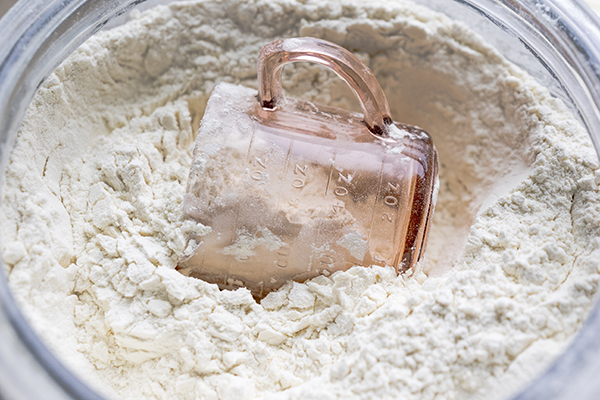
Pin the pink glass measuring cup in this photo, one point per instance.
(294, 190)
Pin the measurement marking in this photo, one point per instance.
(338, 208)
(298, 183)
(203, 254)
(346, 179)
(330, 171)
(395, 189)
(237, 208)
(376, 198)
(299, 170)
(251, 143)
(281, 198)
(257, 175)
(390, 201)
(318, 237)
(259, 161)
(287, 158)
(340, 191)
(312, 255)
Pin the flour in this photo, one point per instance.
(93, 227)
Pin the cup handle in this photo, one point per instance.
(274, 55)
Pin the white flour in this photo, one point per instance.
(92, 221)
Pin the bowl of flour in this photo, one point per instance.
(98, 130)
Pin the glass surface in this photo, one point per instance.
(557, 42)
(302, 191)
(273, 56)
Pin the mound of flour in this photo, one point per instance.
(92, 226)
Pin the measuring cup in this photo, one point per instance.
(294, 190)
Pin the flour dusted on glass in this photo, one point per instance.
(93, 227)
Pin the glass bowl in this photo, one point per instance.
(557, 42)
